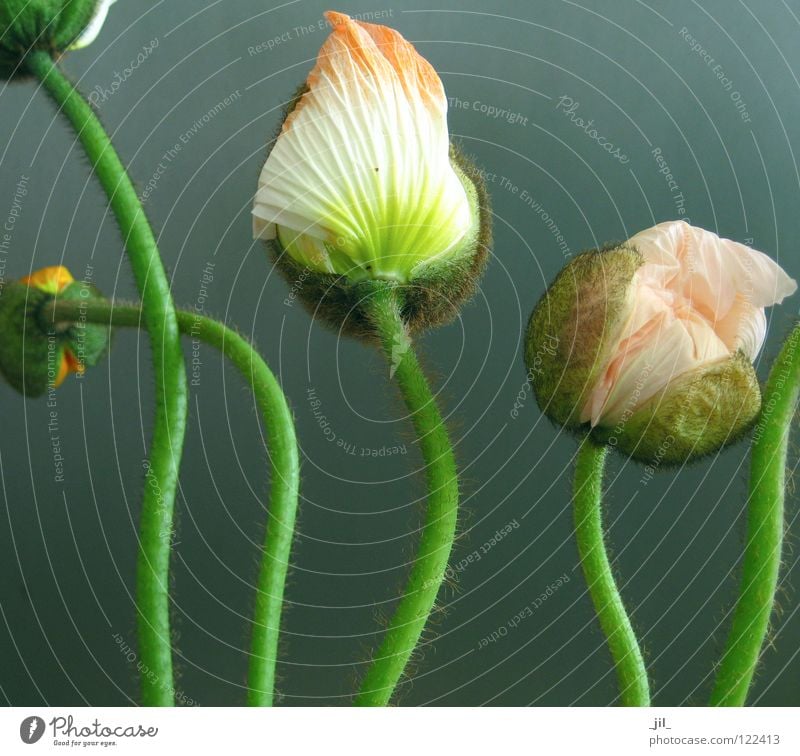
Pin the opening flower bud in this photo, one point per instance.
(649, 344)
(37, 355)
(50, 25)
(362, 184)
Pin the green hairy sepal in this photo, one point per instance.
(88, 342)
(49, 25)
(695, 415)
(575, 327)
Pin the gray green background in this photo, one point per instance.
(67, 550)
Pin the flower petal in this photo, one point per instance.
(91, 32)
(362, 162)
(661, 340)
(721, 269)
(660, 246)
(69, 364)
(676, 347)
(713, 271)
(744, 327)
(728, 283)
(51, 280)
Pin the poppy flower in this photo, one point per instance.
(650, 344)
(362, 183)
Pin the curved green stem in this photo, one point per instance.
(762, 554)
(284, 461)
(439, 529)
(158, 500)
(587, 502)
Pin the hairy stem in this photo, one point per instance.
(762, 554)
(439, 528)
(158, 501)
(587, 503)
(284, 462)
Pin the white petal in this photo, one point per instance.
(91, 32)
(660, 341)
(722, 269)
(660, 245)
(363, 160)
(744, 327)
(675, 348)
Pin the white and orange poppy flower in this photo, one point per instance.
(361, 182)
(651, 343)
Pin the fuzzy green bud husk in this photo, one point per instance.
(29, 356)
(696, 415)
(573, 329)
(48, 25)
(88, 342)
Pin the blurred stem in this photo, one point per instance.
(587, 503)
(158, 500)
(438, 534)
(285, 469)
(762, 552)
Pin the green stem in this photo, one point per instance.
(436, 541)
(587, 502)
(762, 553)
(284, 461)
(158, 501)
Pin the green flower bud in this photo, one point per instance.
(37, 355)
(29, 359)
(649, 344)
(362, 184)
(54, 26)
